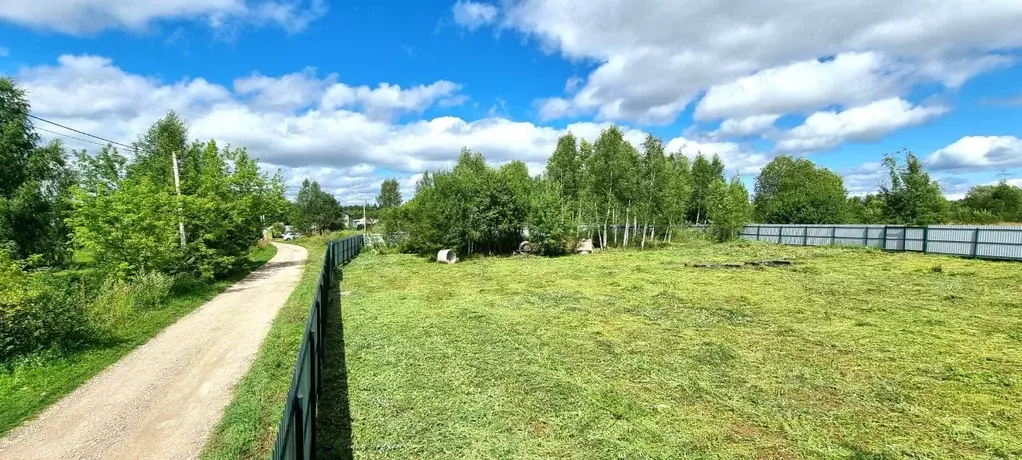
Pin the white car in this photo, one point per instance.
(288, 236)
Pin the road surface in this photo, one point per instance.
(162, 400)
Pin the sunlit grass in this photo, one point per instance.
(849, 353)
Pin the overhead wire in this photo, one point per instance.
(79, 132)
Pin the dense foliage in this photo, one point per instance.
(911, 197)
(729, 209)
(390, 194)
(316, 210)
(34, 185)
(794, 191)
(126, 212)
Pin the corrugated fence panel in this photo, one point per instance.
(984, 241)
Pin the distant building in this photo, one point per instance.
(361, 223)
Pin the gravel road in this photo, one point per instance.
(162, 400)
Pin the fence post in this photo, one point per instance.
(926, 238)
(904, 233)
(885, 238)
(757, 232)
(299, 428)
(780, 230)
(833, 231)
(805, 236)
(975, 242)
(865, 237)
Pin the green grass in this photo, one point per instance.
(849, 353)
(248, 427)
(34, 383)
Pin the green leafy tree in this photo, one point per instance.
(1003, 201)
(911, 197)
(729, 209)
(564, 167)
(35, 183)
(867, 209)
(794, 191)
(706, 174)
(654, 184)
(390, 194)
(550, 221)
(678, 192)
(316, 210)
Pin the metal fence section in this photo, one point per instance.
(296, 434)
(977, 241)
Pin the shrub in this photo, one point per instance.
(37, 312)
(119, 300)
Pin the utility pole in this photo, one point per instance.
(180, 211)
(365, 222)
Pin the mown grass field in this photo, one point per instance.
(33, 383)
(849, 353)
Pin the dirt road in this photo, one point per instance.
(162, 400)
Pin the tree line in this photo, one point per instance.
(624, 196)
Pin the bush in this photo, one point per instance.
(729, 209)
(36, 312)
(119, 300)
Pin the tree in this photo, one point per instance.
(728, 209)
(678, 192)
(316, 210)
(794, 191)
(127, 211)
(35, 183)
(654, 184)
(868, 209)
(911, 197)
(1003, 201)
(564, 168)
(706, 174)
(550, 218)
(390, 194)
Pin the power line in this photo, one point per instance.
(70, 136)
(81, 132)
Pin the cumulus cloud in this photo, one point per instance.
(86, 17)
(654, 57)
(867, 123)
(743, 127)
(736, 158)
(978, 153)
(473, 15)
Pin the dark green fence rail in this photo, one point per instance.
(296, 434)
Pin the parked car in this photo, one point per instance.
(288, 236)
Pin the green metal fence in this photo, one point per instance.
(296, 435)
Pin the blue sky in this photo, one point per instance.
(349, 93)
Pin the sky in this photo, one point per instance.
(350, 93)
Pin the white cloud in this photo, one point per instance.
(864, 179)
(654, 57)
(868, 123)
(86, 17)
(387, 99)
(473, 15)
(978, 153)
(309, 127)
(736, 158)
(743, 127)
(850, 78)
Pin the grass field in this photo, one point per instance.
(31, 385)
(849, 353)
(249, 425)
